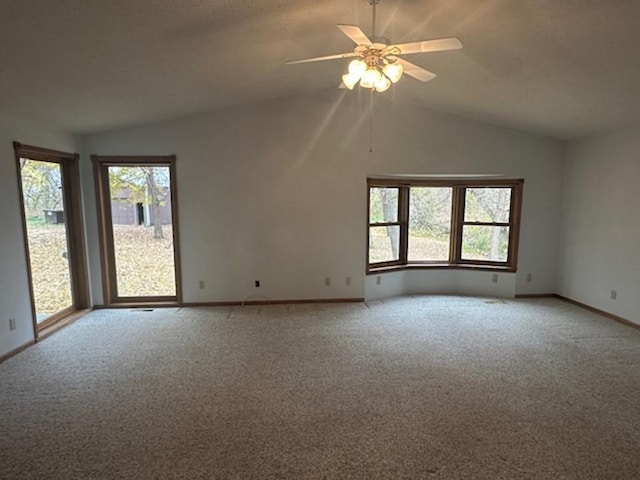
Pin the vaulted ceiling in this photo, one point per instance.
(565, 68)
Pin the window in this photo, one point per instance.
(384, 222)
(485, 228)
(429, 231)
(443, 223)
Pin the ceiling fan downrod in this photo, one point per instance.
(373, 3)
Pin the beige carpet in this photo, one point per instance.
(424, 387)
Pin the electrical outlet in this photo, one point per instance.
(494, 278)
(201, 284)
(378, 280)
(12, 324)
(257, 283)
(614, 294)
(347, 281)
(327, 281)
(529, 277)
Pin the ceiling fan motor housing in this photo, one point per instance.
(374, 54)
(372, 57)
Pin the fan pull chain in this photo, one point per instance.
(374, 4)
(371, 122)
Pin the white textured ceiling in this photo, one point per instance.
(567, 68)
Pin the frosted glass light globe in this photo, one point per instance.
(357, 67)
(350, 80)
(370, 77)
(383, 84)
(393, 71)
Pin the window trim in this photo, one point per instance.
(400, 216)
(455, 260)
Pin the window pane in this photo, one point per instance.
(429, 223)
(489, 205)
(485, 243)
(383, 205)
(384, 244)
(142, 223)
(47, 238)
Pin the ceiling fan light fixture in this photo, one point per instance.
(370, 77)
(375, 57)
(393, 71)
(350, 80)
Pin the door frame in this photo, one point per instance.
(101, 164)
(77, 256)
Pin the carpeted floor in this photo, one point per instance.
(425, 387)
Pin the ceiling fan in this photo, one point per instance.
(376, 61)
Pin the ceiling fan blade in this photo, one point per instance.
(415, 71)
(437, 45)
(355, 34)
(319, 59)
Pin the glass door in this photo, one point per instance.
(53, 235)
(138, 208)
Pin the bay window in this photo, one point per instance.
(443, 224)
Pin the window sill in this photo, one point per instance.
(440, 266)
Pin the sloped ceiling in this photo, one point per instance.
(566, 68)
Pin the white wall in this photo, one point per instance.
(14, 286)
(440, 282)
(601, 223)
(276, 191)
